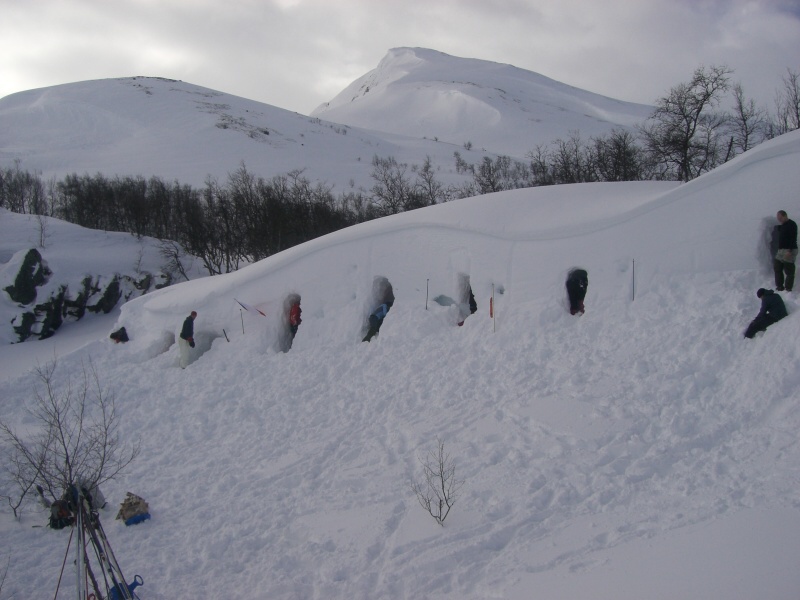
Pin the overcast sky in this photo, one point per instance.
(296, 54)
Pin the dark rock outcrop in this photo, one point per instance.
(32, 274)
(95, 294)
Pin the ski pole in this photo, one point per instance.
(241, 314)
(426, 293)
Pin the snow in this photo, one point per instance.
(458, 100)
(71, 253)
(642, 450)
(145, 126)
(149, 126)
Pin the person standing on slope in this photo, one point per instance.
(772, 310)
(784, 261)
(186, 340)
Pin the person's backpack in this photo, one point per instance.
(134, 509)
(61, 514)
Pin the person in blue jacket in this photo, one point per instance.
(186, 339)
(376, 320)
(772, 310)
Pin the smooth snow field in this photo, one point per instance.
(643, 450)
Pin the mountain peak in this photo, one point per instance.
(427, 93)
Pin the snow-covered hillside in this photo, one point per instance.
(78, 261)
(507, 110)
(421, 103)
(175, 130)
(642, 450)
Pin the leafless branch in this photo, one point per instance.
(77, 439)
(441, 488)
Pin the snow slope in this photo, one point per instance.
(642, 450)
(73, 253)
(175, 130)
(495, 106)
(151, 126)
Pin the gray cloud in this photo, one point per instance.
(298, 53)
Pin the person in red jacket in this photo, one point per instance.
(294, 318)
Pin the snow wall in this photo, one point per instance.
(517, 245)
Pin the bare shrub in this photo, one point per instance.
(438, 493)
(75, 437)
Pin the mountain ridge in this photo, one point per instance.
(119, 126)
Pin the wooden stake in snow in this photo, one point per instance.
(427, 281)
(491, 311)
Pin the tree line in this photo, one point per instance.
(248, 218)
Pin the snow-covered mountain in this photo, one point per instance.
(175, 130)
(417, 103)
(499, 107)
(641, 450)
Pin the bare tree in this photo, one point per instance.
(747, 122)
(44, 229)
(615, 157)
(682, 134)
(173, 255)
(77, 438)
(428, 188)
(488, 176)
(540, 166)
(440, 490)
(787, 103)
(393, 190)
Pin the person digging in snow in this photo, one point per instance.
(186, 340)
(294, 318)
(376, 320)
(772, 310)
(577, 284)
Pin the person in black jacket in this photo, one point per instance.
(186, 340)
(577, 284)
(786, 256)
(772, 310)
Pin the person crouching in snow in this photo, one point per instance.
(186, 340)
(772, 310)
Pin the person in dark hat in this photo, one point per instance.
(186, 339)
(772, 310)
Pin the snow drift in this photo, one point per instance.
(644, 449)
